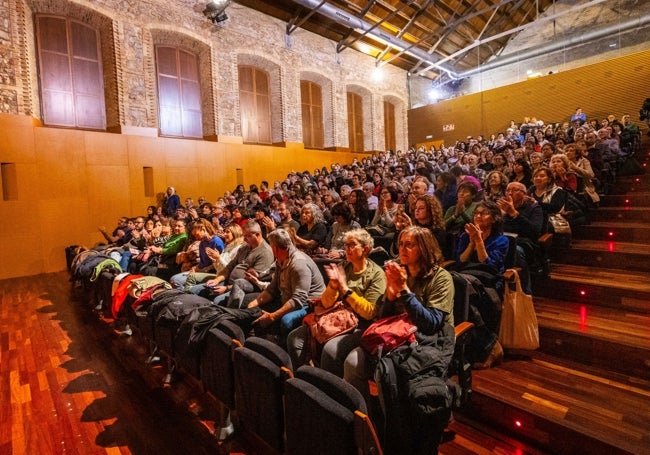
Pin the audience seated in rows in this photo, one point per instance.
(522, 175)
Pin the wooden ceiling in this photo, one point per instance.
(459, 35)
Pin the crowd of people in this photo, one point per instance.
(374, 233)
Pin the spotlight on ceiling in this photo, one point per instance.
(215, 10)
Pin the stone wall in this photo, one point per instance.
(130, 30)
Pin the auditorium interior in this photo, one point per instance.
(106, 104)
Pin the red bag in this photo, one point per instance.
(388, 333)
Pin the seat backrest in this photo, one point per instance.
(269, 350)
(323, 415)
(512, 250)
(232, 330)
(341, 391)
(217, 371)
(461, 297)
(260, 370)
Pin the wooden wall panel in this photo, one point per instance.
(61, 159)
(68, 221)
(109, 194)
(22, 255)
(106, 149)
(17, 138)
(615, 86)
(69, 182)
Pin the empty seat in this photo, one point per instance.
(217, 370)
(326, 415)
(261, 368)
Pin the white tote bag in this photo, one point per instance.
(519, 329)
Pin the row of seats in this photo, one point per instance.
(282, 411)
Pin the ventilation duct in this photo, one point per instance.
(346, 19)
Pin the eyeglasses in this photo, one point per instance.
(407, 245)
(351, 245)
(481, 213)
(513, 190)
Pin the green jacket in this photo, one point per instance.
(175, 244)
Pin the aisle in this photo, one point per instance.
(63, 389)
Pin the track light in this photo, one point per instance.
(215, 10)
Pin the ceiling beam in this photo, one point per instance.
(292, 26)
(343, 45)
(510, 32)
(414, 17)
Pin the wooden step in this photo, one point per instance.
(631, 184)
(595, 335)
(605, 254)
(563, 410)
(614, 230)
(632, 199)
(639, 214)
(623, 290)
(466, 436)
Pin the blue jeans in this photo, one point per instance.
(222, 299)
(124, 260)
(290, 321)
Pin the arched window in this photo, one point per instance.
(311, 99)
(70, 71)
(255, 105)
(389, 126)
(179, 92)
(355, 122)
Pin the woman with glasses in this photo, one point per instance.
(417, 285)
(522, 173)
(484, 247)
(382, 226)
(312, 232)
(495, 186)
(358, 282)
(483, 240)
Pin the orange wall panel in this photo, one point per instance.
(69, 182)
(108, 194)
(16, 139)
(106, 149)
(616, 86)
(61, 159)
(22, 254)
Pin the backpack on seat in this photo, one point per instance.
(413, 393)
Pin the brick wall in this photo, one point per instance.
(130, 30)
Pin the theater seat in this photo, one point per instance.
(217, 370)
(261, 369)
(326, 415)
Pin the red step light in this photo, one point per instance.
(583, 293)
(610, 233)
(518, 423)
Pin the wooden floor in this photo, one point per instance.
(64, 388)
(69, 384)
